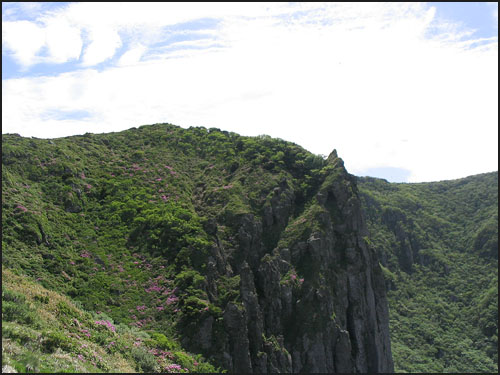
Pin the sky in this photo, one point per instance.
(403, 91)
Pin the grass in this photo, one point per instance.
(44, 331)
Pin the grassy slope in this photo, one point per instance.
(44, 331)
(444, 310)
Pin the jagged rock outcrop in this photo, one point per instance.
(315, 303)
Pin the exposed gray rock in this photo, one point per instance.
(235, 324)
(317, 305)
(205, 333)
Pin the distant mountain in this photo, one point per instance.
(195, 244)
(438, 247)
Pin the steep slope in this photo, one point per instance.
(250, 251)
(43, 331)
(438, 245)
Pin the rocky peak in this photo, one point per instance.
(313, 304)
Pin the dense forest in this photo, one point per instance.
(438, 246)
(199, 250)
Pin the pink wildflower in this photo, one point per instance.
(21, 208)
(106, 323)
(171, 300)
(173, 368)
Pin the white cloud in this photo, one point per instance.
(63, 41)
(356, 78)
(24, 39)
(104, 43)
(132, 56)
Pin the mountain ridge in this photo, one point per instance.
(250, 251)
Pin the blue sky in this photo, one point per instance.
(476, 16)
(404, 91)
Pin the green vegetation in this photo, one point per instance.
(438, 245)
(108, 242)
(43, 331)
(123, 224)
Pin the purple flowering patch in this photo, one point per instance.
(106, 323)
(171, 300)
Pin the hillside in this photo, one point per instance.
(438, 246)
(43, 331)
(250, 252)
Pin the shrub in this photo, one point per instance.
(30, 361)
(55, 339)
(163, 342)
(19, 312)
(144, 360)
(9, 295)
(183, 359)
(16, 332)
(41, 299)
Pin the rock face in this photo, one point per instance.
(311, 303)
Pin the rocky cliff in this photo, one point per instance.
(315, 301)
